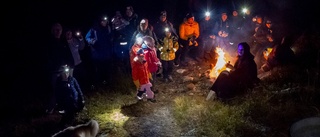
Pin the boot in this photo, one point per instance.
(211, 93)
(140, 95)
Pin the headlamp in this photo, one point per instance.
(105, 18)
(139, 39)
(207, 13)
(166, 29)
(66, 70)
(244, 10)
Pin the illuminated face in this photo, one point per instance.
(190, 20)
(143, 24)
(224, 17)
(268, 25)
(259, 20)
(235, 13)
(207, 18)
(240, 50)
(149, 41)
(141, 58)
(65, 74)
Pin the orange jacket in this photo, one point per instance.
(187, 30)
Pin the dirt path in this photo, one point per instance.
(149, 119)
(160, 123)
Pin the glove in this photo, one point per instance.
(137, 83)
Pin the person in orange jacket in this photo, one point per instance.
(141, 76)
(189, 31)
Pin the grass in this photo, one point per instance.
(267, 110)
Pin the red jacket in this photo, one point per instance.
(152, 59)
(133, 52)
(140, 72)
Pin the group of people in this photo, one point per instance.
(63, 61)
(144, 48)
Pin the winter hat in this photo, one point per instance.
(189, 15)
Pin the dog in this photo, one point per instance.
(89, 129)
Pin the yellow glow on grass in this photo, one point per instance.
(115, 116)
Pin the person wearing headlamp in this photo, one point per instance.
(145, 29)
(99, 38)
(207, 39)
(70, 98)
(167, 54)
(162, 24)
(135, 47)
(141, 77)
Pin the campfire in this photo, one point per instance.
(220, 64)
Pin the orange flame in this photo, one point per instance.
(267, 52)
(220, 65)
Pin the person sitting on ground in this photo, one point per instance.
(280, 54)
(242, 76)
(69, 95)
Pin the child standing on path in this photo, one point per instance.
(151, 57)
(167, 54)
(141, 76)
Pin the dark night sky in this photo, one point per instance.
(35, 17)
(27, 23)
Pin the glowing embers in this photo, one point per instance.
(267, 52)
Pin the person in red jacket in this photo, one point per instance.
(151, 57)
(141, 76)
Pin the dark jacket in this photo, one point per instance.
(238, 80)
(59, 54)
(69, 95)
(101, 49)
